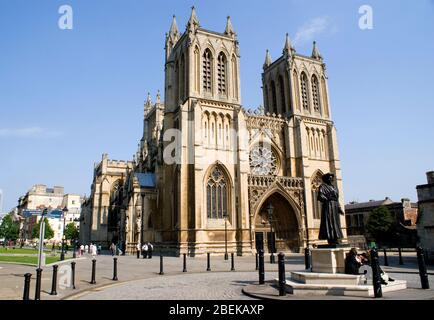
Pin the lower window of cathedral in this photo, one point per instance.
(216, 195)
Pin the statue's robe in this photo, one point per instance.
(330, 228)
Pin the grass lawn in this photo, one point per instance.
(20, 250)
(30, 260)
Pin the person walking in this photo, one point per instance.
(138, 248)
(81, 250)
(93, 250)
(86, 249)
(113, 249)
(150, 249)
(145, 250)
(99, 249)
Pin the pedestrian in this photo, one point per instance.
(150, 249)
(138, 247)
(86, 249)
(145, 251)
(81, 250)
(113, 249)
(93, 250)
(99, 249)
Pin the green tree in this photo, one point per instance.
(9, 229)
(71, 231)
(49, 232)
(381, 225)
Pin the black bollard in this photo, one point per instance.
(422, 269)
(386, 262)
(38, 284)
(232, 262)
(26, 293)
(54, 281)
(73, 274)
(115, 269)
(376, 277)
(161, 265)
(401, 262)
(282, 280)
(307, 258)
(208, 262)
(261, 267)
(257, 261)
(92, 281)
(184, 265)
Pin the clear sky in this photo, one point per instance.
(67, 96)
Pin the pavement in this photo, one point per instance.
(139, 279)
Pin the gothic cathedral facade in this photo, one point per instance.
(210, 175)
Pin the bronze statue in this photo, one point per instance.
(328, 195)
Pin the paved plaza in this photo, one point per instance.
(139, 279)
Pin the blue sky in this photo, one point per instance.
(67, 96)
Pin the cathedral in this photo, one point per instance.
(211, 176)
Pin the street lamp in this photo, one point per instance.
(62, 254)
(270, 209)
(225, 215)
(75, 242)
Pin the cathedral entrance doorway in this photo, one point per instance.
(285, 229)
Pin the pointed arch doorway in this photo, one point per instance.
(284, 223)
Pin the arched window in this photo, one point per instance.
(304, 91)
(315, 94)
(316, 205)
(274, 98)
(282, 95)
(207, 71)
(234, 84)
(196, 69)
(296, 91)
(221, 73)
(181, 78)
(217, 195)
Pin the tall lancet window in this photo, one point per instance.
(315, 94)
(221, 73)
(217, 195)
(304, 92)
(207, 71)
(273, 98)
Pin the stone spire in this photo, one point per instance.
(158, 101)
(288, 48)
(267, 60)
(173, 32)
(229, 30)
(148, 103)
(315, 52)
(193, 22)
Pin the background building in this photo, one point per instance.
(38, 198)
(232, 163)
(425, 222)
(404, 212)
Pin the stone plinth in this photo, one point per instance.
(329, 260)
(335, 284)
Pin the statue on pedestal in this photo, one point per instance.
(328, 195)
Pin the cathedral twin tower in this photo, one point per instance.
(219, 192)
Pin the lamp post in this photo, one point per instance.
(270, 209)
(226, 235)
(62, 254)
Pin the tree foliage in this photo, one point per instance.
(49, 232)
(9, 229)
(71, 231)
(381, 225)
